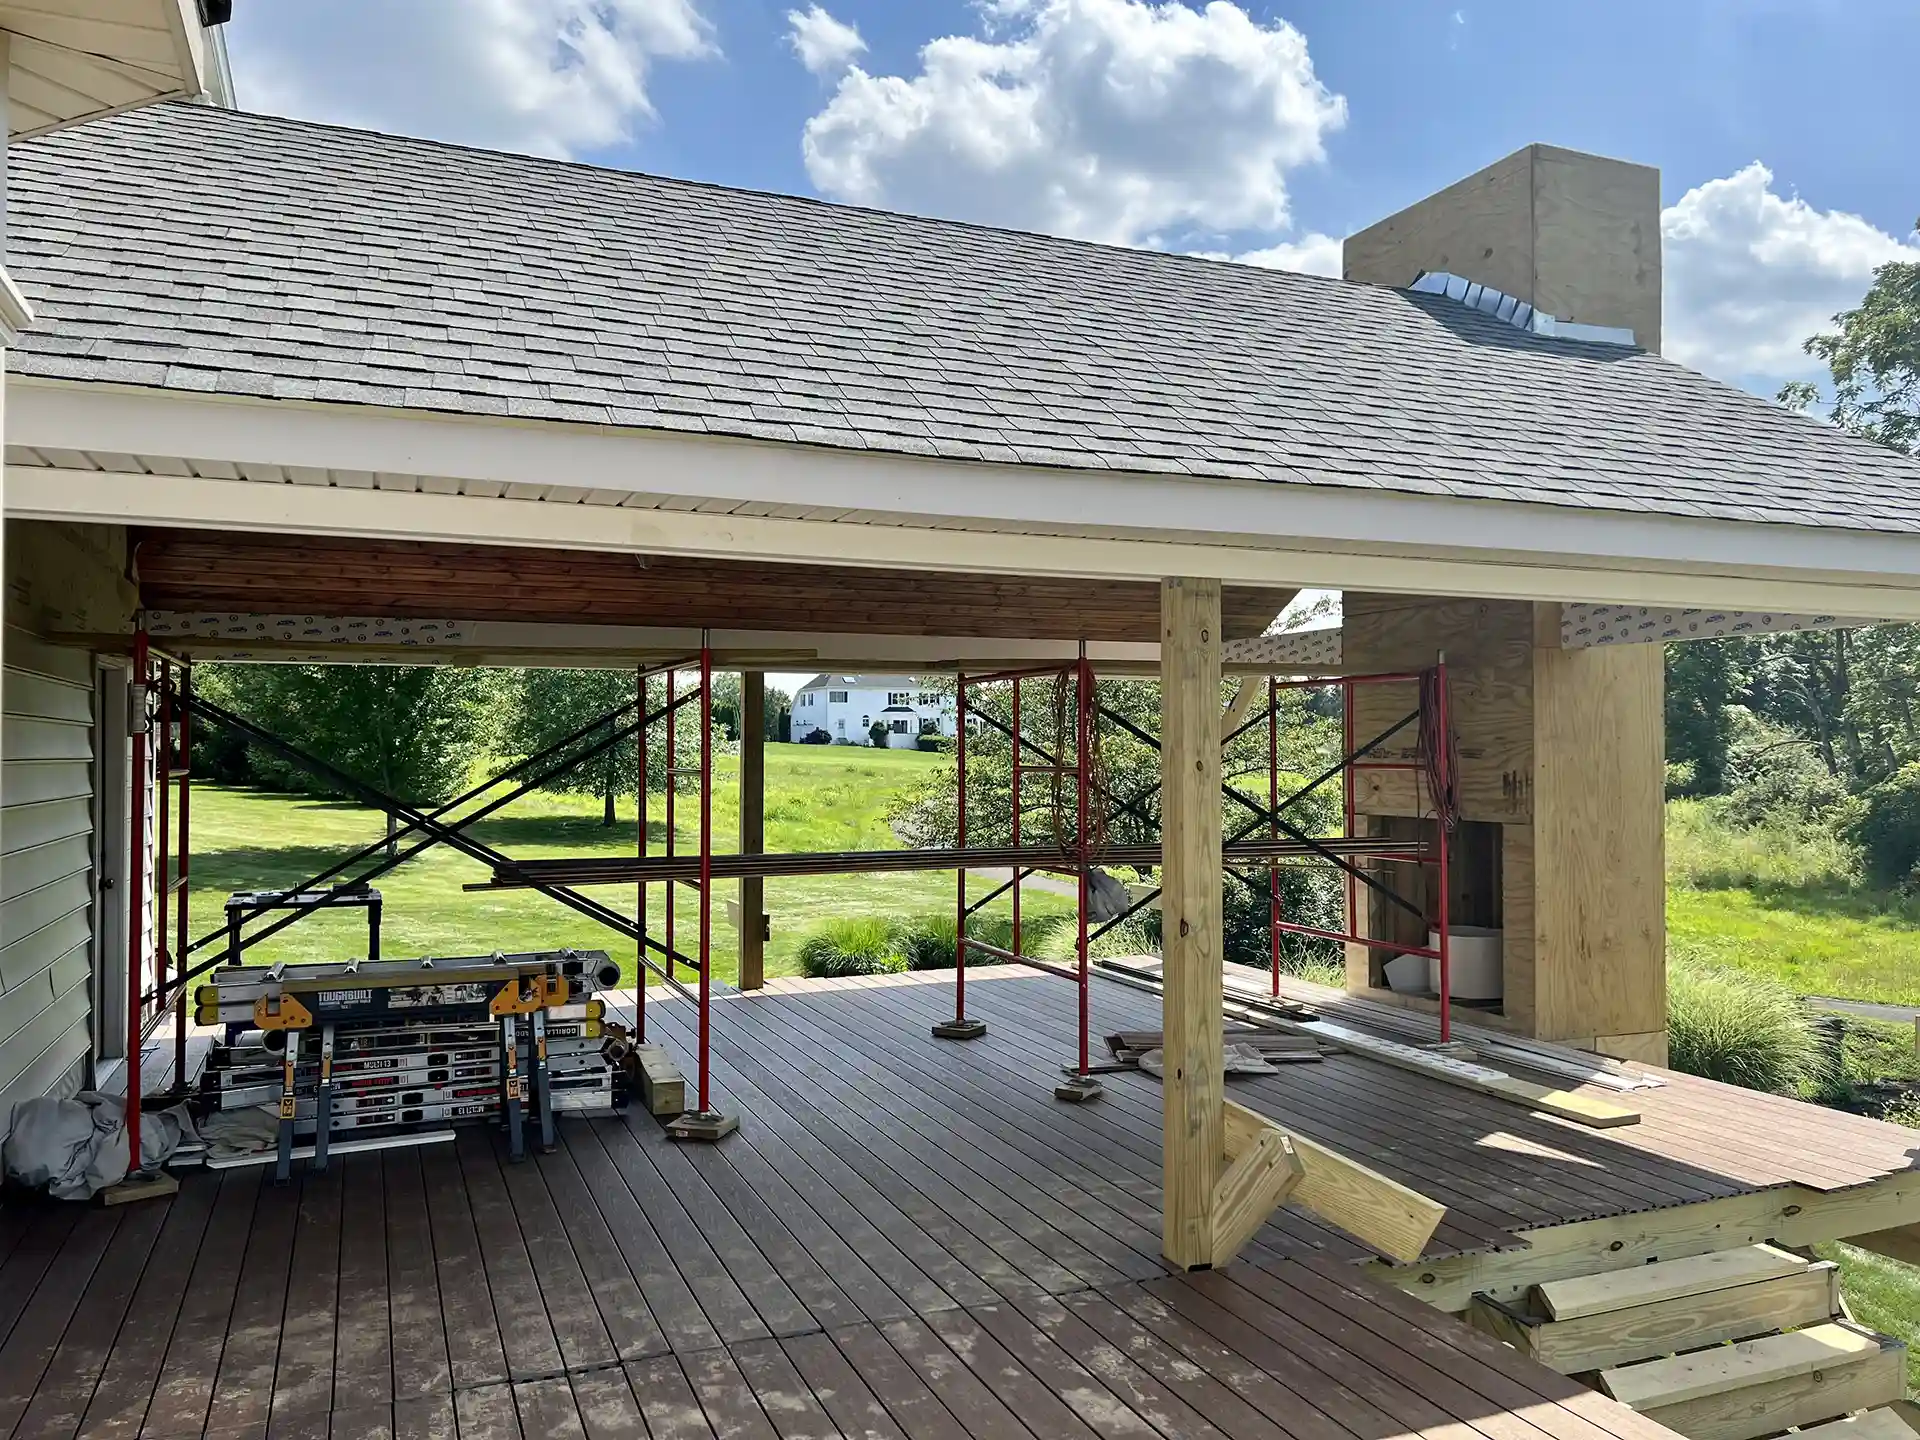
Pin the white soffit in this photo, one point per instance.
(75, 60)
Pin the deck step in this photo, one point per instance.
(1584, 1295)
(1758, 1387)
(1881, 1424)
(1809, 1295)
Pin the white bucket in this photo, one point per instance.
(1406, 974)
(1473, 962)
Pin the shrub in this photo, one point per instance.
(816, 736)
(928, 940)
(1061, 943)
(1778, 779)
(877, 735)
(1888, 829)
(1705, 852)
(1735, 1027)
(853, 945)
(936, 744)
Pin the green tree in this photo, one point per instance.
(547, 705)
(1705, 679)
(1874, 360)
(413, 731)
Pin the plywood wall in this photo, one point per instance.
(1563, 752)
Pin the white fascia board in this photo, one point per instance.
(91, 496)
(1257, 532)
(15, 313)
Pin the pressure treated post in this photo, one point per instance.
(753, 827)
(1194, 1144)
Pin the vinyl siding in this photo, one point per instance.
(46, 865)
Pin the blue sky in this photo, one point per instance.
(1261, 131)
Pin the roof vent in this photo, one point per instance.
(1517, 313)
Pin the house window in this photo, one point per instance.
(866, 722)
(836, 697)
(927, 697)
(899, 727)
(898, 697)
(841, 726)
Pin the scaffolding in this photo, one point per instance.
(1084, 806)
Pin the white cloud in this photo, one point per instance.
(552, 77)
(1114, 120)
(1750, 274)
(1313, 254)
(826, 46)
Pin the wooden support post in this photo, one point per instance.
(1193, 1139)
(753, 827)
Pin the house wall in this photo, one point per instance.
(848, 721)
(55, 785)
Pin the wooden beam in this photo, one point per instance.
(1193, 1084)
(753, 827)
(1900, 1243)
(1396, 1221)
(1582, 1295)
(1255, 1183)
(1786, 1215)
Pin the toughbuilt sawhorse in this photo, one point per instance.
(338, 999)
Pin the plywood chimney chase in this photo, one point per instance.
(1562, 751)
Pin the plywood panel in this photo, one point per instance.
(1518, 942)
(1489, 650)
(1479, 228)
(1599, 842)
(1596, 241)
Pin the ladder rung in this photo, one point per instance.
(179, 772)
(176, 885)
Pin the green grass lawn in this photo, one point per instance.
(818, 798)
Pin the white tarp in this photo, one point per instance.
(78, 1147)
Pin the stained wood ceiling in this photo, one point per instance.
(194, 570)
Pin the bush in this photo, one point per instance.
(877, 735)
(1888, 829)
(936, 744)
(1706, 852)
(927, 941)
(816, 736)
(1778, 779)
(854, 945)
(1735, 1027)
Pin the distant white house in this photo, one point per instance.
(846, 707)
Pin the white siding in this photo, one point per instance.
(46, 864)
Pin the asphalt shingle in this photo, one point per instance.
(191, 248)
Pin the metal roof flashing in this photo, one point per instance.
(1517, 313)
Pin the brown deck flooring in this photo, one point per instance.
(906, 1238)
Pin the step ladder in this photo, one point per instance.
(1730, 1345)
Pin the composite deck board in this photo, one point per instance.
(907, 1239)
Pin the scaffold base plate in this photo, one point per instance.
(140, 1187)
(1078, 1089)
(707, 1125)
(959, 1029)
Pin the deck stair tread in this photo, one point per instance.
(1809, 1295)
(1881, 1423)
(1653, 1384)
(1583, 1295)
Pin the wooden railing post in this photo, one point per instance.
(1193, 1155)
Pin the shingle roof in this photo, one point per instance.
(194, 249)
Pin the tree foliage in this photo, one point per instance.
(414, 731)
(1874, 359)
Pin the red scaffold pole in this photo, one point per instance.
(1350, 801)
(706, 857)
(184, 853)
(1443, 777)
(136, 890)
(163, 823)
(1273, 823)
(1083, 776)
(640, 849)
(1017, 948)
(960, 840)
(673, 755)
